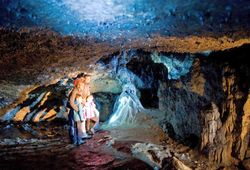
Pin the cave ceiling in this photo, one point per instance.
(41, 40)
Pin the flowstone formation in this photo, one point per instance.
(126, 107)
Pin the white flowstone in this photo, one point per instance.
(126, 107)
(151, 153)
(155, 154)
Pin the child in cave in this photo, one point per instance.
(91, 114)
(80, 118)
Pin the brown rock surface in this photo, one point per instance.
(210, 104)
(42, 56)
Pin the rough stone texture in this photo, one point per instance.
(211, 124)
(41, 103)
(153, 154)
(212, 102)
(52, 150)
(209, 106)
(244, 137)
(32, 56)
(46, 145)
(53, 56)
(156, 156)
(130, 19)
(217, 83)
(45, 103)
(105, 103)
(246, 163)
(180, 165)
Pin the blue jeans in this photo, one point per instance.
(72, 129)
(73, 132)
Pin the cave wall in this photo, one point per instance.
(212, 103)
(30, 57)
(43, 42)
(151, 74)
(50, 102)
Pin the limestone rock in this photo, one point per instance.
(212, 102)
(105, 103)
(211, 125)
(151, 153)
(246, 163)
(157, 156)
(179, 165)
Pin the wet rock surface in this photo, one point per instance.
(54, 151)
(246, 163)
(46, 146)
(105, 103)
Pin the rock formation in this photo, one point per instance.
(186, 63)
(211, 103)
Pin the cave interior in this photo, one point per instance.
(170, 79)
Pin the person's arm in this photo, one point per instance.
(72, 100)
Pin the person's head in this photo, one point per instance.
(78, 84)
(79, 77)
(90, 98)
(86, 79)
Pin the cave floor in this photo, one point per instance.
(46, 146)
(56, 153)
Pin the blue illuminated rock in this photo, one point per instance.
(176, 67)
(126, 107)
(111, 19)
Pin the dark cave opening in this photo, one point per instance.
(151, 73)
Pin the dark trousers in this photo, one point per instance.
(72, 127)
(73, 131)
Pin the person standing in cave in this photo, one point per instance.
(85, 93)
(92, 114)
(80, 118)
(81, 87)
(77, 90)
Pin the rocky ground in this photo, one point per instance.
(46, 146)
(203, 122)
